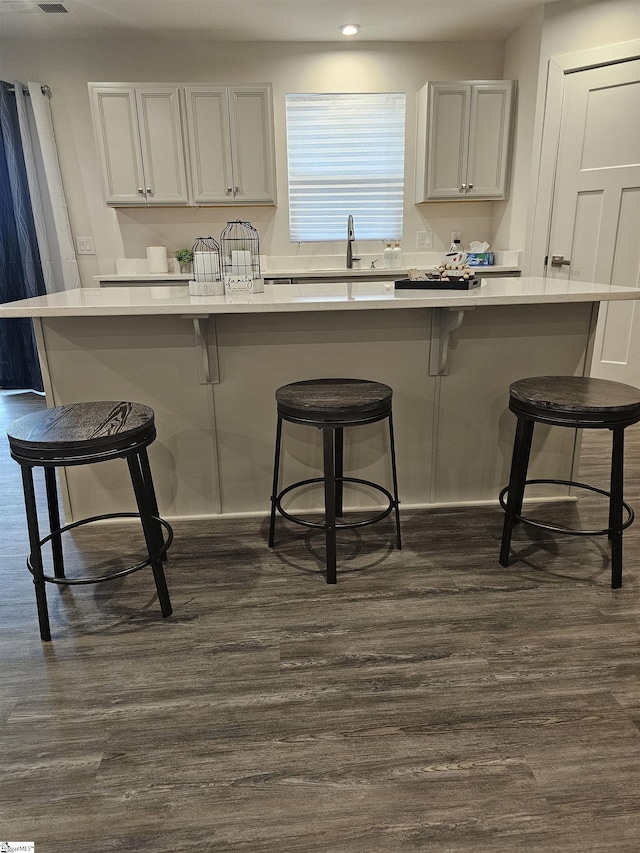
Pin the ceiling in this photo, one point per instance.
(267, 20)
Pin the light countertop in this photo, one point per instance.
(331, 274)
(333, 296)
(314, 267)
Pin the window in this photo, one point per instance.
(346, 156)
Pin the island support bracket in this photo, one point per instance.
(444, 322)
(206, 347)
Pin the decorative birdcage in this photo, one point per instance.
(240, 247)
(206, 260)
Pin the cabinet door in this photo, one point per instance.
(162, 145)
(489, 140)
(464, 140)
(209, 144)
(115, 123)
(252, 144)
(448, 139)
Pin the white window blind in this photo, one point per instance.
(346, 156)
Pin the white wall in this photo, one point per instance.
(571, 26)
(521, 63)
(568, 27)
(67, 66)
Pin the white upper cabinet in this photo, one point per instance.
(231, 144)
(139, 140)
(464, 140)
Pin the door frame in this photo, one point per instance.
(557, 69)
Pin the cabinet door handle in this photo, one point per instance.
(463, 187)
(470, 186)
(559, 261)
(229, 190)
(238, 191)
(140, 191)
(149, 191)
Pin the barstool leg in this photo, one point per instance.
(150, 535)
(394, 472)
(525, 453)
(339, 470)
(615, 506)
(54, 521)
(153, 501)
(329, 503)
(274, 489)
(36, 551)
(515, 494)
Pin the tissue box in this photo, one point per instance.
(480, 259)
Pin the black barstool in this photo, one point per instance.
(81, 434)
(581, 403)
(331, 405)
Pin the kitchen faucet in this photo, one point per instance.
(351, 236)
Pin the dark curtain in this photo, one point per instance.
(20, 268)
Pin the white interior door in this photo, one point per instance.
(595, 225)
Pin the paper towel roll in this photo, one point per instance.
(157, 259)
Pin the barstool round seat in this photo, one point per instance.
(82, 434)
(596, 403)
(332, 405)
(581, 403)
(341, 400)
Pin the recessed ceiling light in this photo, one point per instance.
(350, 29)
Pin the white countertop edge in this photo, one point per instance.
(356, 296)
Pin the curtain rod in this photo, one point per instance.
(44, 89)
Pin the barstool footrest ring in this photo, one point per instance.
(296, 519)
(556, 528)
(112, 575)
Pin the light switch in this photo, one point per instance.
(84, 246)
(424, 239)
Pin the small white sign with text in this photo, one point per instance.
(238, 284)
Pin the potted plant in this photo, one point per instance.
(185, 258)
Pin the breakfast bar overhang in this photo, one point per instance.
(209, 367)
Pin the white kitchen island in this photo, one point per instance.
(209, 367)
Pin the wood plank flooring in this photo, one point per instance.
(431, 701)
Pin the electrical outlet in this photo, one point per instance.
(424, 239)
(456, 235)
(84, 246)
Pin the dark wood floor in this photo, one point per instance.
(431, 701)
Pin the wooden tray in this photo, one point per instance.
(437, 284)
